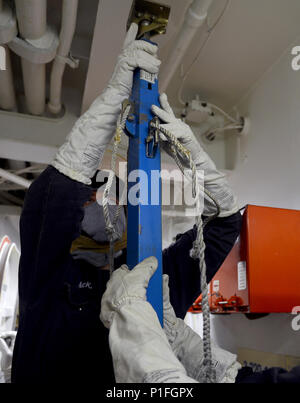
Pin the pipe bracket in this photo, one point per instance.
(152, 18)
(38, 55)
(69, 60)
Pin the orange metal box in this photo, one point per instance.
(262, 272)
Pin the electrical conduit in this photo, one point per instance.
(194, 19)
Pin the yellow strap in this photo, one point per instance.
(85, 243)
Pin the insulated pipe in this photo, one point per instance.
(15, 178)
(8, 31)
(68, 25)
(34, 86)
(32, 19)
(194, 18)
(7, 92)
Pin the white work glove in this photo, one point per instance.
(80, 156)
(5, 350)
(140, 349)
(6, 354)
(188, 346)
(214, 181)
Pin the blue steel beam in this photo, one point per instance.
(144, 229)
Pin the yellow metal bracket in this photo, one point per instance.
(152, 18)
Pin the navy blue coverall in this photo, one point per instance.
(60, 336)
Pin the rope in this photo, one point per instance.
(111, 231)
(198, 250)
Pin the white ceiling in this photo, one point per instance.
(109, 35)
(250, 37)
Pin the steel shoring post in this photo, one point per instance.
(144, 226)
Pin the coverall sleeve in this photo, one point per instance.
(220, 235)
(50, 221)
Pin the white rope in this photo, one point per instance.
(111, 230)
(198, 250)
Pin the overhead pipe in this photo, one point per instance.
(68, 25)
(34, 86)
(194, 19)
(15, 178)
(32, 19)
(8, 31)
(7, 92)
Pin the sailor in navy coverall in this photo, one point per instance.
(60, 337)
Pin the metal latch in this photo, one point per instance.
(152, 18)
(126, 104)
(152, 141)
(128, 110)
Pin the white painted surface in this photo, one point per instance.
(109, 34)
(36, 139)
(195, 17)
(269, 166)
(247, 41)
(268, 175)
(272, 334)
(9, 223)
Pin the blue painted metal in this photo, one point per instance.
(144, 233)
